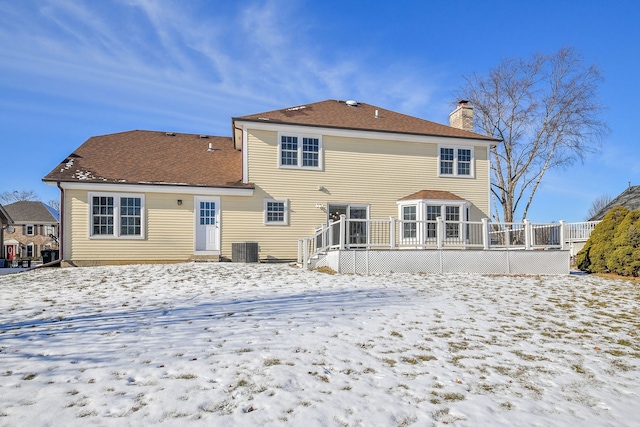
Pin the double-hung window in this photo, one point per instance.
(30, 230)
(433, 212)
(299, 151)
(409, 224)
(456, 161)
(116, 215)
(452, 221)
(276, 212)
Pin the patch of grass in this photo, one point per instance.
(326, 270)
(625, 343)
(29, 376)
(507, 405)
(225, 407)
(409, 360)
(187, 376)
(529, 357)
(396, 334)
(453, 397)
(389, 362)
(621, 365)
(455, 346)
(272, 362)
(579, 369)
(426, 357)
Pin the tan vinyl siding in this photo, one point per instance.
(359, 171)
(169, 232)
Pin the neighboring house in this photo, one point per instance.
(35, 228)
(145, 196)
(629, 198)
(5, 221)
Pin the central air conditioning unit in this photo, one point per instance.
(244, 252)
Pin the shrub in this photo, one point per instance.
(624, 259)
(592, 257)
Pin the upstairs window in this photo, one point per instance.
(299, 151)
(289, 151)
(29, 230)
(116, 215)
(456, 161)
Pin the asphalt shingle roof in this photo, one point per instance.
(629, 198)
(30, 212)
(151, 157)
(432, 195)
(338, 114)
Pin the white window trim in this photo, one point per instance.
(286, 212)
(26, 230)
(116, 217)
(33, 250)
(421, 215)
(300, 136)
(472, 166)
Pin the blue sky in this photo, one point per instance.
(73, 69)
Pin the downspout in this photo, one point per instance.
(60, 224)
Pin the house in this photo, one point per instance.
(5, 222)
(629, 198)
(35, 228)
(147, 196)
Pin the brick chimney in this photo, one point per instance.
(462, 117)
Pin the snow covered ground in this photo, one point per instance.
(251, 345)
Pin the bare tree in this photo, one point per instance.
(7, 197)
(597, 205)
(546, 112)
(54, 203)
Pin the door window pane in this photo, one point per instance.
(207, 213)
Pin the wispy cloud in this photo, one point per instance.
(191, 58)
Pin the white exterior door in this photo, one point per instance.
(207, 227)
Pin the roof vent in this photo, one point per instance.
(204, 136)
(170, 134)
(352, 103)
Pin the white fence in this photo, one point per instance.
(393, 234)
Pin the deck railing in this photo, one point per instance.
(439, 234)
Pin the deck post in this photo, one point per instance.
(563, 243)
(305, 252)
(440, 231)
(343, 229)
(323, 236)
(485, 234)
(527, 234)
(392, 232)
(330, 233)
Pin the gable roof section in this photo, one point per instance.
(151, 157)
(431, 195)
(5, 218)
(30, 212)
(340, 115)
(629, 198)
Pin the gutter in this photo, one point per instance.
(60, 225)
